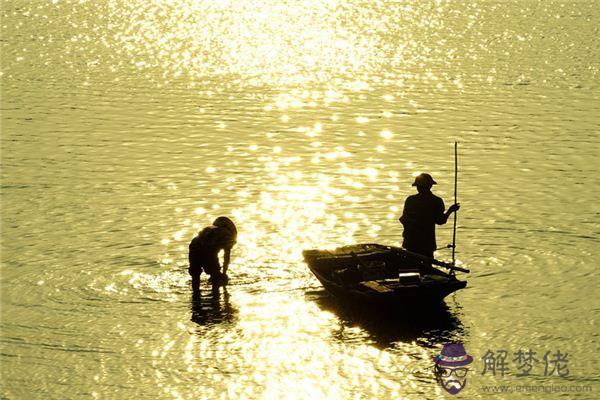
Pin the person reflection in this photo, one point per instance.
(208, 309)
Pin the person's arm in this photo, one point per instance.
(226, 259)
(443, 218)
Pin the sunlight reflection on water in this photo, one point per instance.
(280, 42)
(128, 126)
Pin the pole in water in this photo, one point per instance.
(455, 202)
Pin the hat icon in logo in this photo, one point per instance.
(450, 367)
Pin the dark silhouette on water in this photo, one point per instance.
(209, 309)
(204, 252)
(371, 274)
(387, 326)
(422, 211)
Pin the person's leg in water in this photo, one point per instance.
(195, 273)
(196, 282)
(217, 278)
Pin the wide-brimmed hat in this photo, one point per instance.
(424, 180)
(453, 355)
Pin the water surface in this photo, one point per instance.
(127, 126)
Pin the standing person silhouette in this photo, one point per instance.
(204, 252)
(422, 211)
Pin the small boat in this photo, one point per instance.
(374, 274)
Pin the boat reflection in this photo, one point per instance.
(210, 307)
(429, 327)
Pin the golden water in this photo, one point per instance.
(127, 126)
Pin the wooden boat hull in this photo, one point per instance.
(431, 290)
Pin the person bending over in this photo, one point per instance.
(204, 252)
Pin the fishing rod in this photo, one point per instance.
(455, 202)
